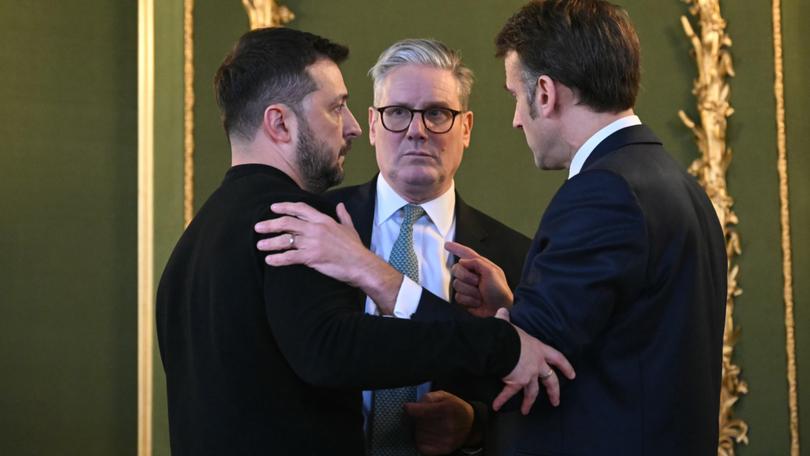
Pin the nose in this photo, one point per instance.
(516, 120)
(351, 128)
(416, 130)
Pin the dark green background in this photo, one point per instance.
(68, 244)
(68, 236)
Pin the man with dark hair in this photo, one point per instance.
(271, 360)
(627, 271)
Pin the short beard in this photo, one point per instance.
(318, 171)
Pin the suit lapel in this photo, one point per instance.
(637, 134)
(469, 232)
(361, 207)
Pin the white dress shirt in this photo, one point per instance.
(429, 235)
(585, 150)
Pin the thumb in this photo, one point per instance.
(343, 215)
(503, 314)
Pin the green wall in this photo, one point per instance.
(68, 186)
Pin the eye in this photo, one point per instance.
(438, 115)
(396, 111)
(339, 108)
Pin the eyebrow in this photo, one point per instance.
(428, 105)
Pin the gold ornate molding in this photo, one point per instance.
(188, 111)
(784, 216)
(146, 129)
(714, 66)
(267, 13)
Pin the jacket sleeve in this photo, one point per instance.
(328, 341)
(434, 308)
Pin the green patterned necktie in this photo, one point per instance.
(390, 431)
(403, 257)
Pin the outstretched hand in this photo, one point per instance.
(479, 284)
(533, 368)
(303, 235)
(309, 237)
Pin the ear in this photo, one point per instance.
(279, 123)
(372, 132)
(466, 127)
(546, 97)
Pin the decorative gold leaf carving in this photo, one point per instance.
(711, 88)
(267, 13)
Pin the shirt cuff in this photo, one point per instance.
(407, 299)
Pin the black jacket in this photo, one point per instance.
(263, 360)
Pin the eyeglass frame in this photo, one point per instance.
(382, 109)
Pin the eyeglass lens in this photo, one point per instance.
(398, 118)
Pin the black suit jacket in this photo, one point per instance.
(263, 360)
(627, 277)
(504, 246)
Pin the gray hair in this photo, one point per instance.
(427, 52)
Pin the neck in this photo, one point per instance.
(265, 154)
(418, 194)
(582, 123)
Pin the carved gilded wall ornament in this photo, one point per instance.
(146, 225)
(714, 66)
(267, 13)
(784, 217)
(188, 111)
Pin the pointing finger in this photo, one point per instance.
(279, 225)
(460, 250)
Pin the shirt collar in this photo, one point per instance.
(585, 150)
(441, 210)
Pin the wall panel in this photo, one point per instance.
(68, 230)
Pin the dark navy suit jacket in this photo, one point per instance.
(627, 277)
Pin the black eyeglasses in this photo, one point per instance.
(397, 119)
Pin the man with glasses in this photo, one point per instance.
(420, 126)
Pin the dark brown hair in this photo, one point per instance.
(589, 46)
(268, 66)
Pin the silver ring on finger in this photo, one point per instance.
(292, 240)
(547, 375)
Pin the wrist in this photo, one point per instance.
(379, 281)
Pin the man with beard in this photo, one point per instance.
(271, 360)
